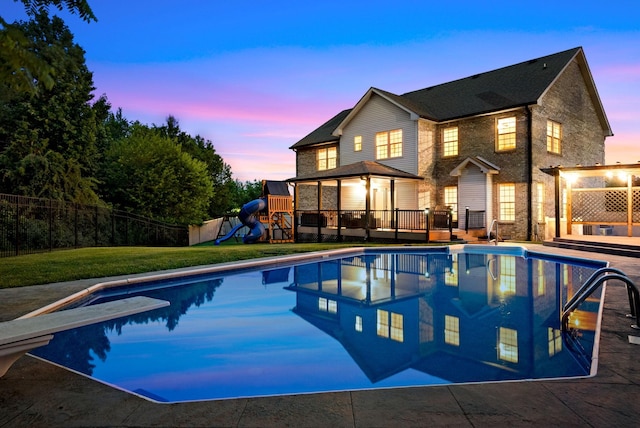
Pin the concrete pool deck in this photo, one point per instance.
(35, 393)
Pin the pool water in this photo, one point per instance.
(372, 319)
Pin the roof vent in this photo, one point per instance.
(475, 76)
(533, 61)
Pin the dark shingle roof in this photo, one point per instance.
(358, 169)
(323, 134)
(513, 86)
(508, 87)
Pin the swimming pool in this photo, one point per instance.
(347, 320)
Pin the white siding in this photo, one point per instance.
(379, 115)
(353, 198)
(406, 196)
(472, 192)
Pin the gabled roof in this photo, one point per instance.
(324, 133)
(358, 169)
(485, 166)
(505, 88)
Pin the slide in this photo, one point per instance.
(247, 218)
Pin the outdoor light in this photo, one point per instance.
(571, 178)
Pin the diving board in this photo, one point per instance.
(19, 336)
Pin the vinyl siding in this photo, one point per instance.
(471, 192)
(379, 115)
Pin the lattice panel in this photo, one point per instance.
(636, 205)
(599, 205)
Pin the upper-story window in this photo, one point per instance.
(506, 139)
(554, 136)
(357, 143)
(327, 158)
(389, 144)
(450, 141)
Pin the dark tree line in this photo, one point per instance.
(58, 142)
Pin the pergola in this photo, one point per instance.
(610, 204)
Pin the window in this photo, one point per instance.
(389, 144)
(451, 200)
(358, 324)
(506, 134)
(450, 141)
(327, 158)
(507, 275)
(554, 338)
(508, 345)
(507, 201)
(540, 191)
(452, 330)
(357, 143)
(542, 280)
(327, 305)
(390, 325)
(451, 275)
(554, 136)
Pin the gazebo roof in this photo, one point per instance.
(358, 169)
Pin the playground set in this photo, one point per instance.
(273, 209)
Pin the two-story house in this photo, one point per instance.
(474, 145)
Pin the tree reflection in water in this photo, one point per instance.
(74, 348)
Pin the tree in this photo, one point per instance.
(223, 198)
(149, 174)
(20, 67)
(48, 137)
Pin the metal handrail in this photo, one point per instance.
(494, 276)
(592, 284)
(494, 221)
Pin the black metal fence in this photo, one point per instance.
(32, 225)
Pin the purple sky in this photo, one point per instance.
(255, 77)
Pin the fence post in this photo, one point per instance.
(426, 213)
(95, 216)
(17, 225)
(466, 219)
(397, 214)
(50, 225)
(451, 225)
(75, 226)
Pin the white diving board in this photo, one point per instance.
(19, 336)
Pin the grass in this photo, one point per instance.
(69, 265)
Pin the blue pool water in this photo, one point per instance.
(371, 319)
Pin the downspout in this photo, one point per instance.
(529, 173)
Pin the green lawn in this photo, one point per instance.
(68, 265)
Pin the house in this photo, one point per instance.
(473, 147)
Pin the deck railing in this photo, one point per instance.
(382, 220)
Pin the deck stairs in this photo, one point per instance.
(602, 247)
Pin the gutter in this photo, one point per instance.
(529, 173)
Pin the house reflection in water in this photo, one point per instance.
(458, 316)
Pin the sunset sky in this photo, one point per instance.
(254, 77)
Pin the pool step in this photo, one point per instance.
(615, 249)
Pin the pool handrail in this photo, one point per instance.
(596, 280)
(494, 221)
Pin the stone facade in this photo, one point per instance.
(569, 101)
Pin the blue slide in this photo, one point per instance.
(247, 218)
